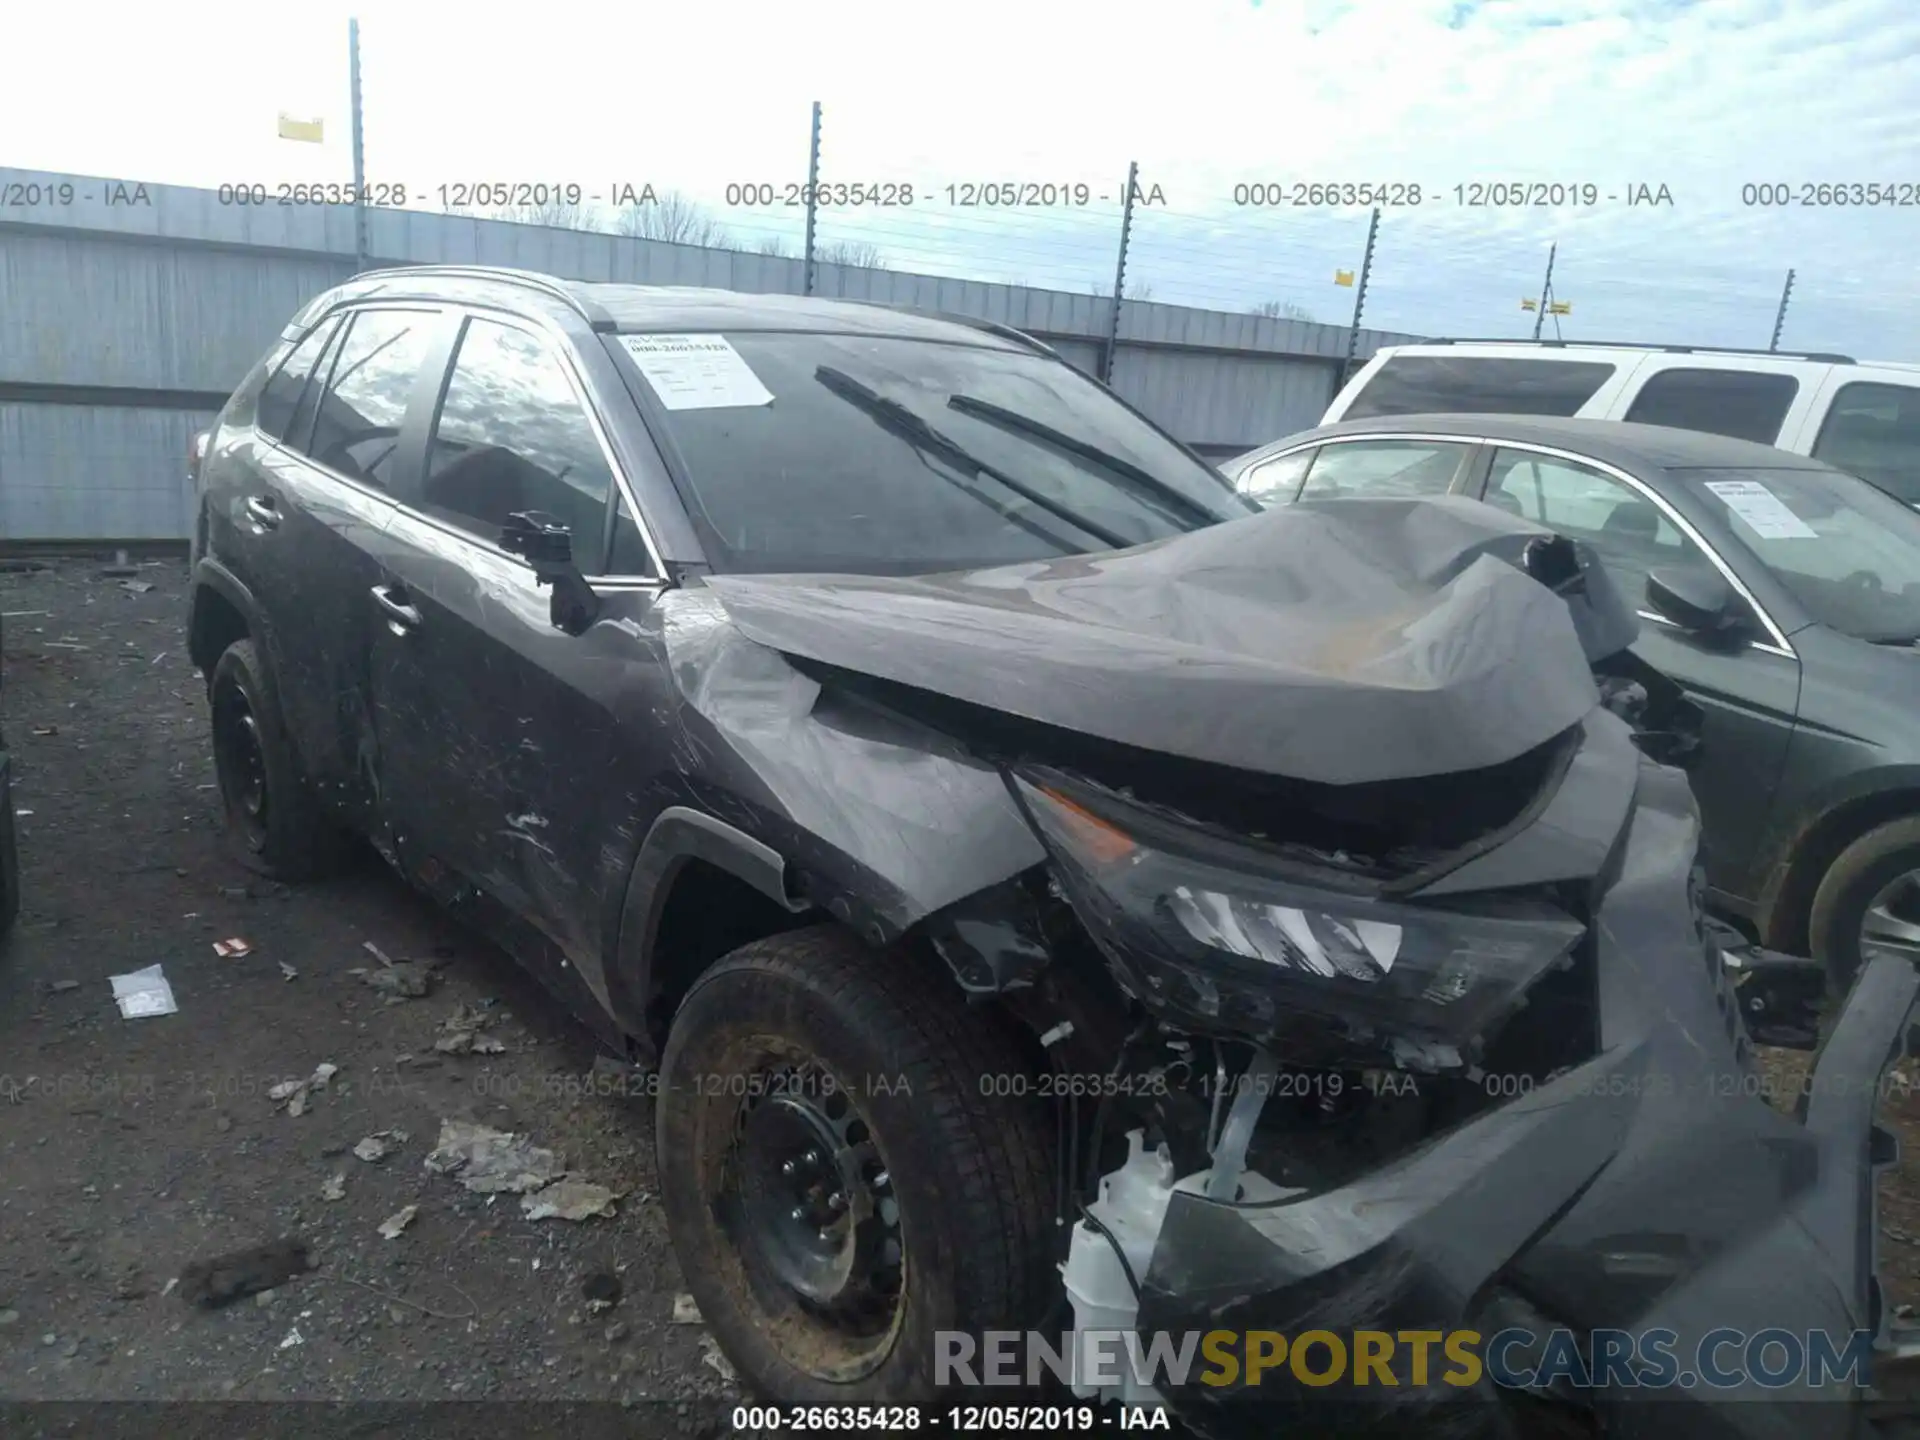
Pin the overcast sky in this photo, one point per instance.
(1699, 96)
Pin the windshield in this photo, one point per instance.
(894, 456)
(1849, 553)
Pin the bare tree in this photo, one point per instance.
(850, 252)
(773, 245)
(1281, 310)
(1141, 291)
(674, 218)
(557, 214)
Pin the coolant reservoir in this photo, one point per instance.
(1132, 1205)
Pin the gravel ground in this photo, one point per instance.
(131, 1148)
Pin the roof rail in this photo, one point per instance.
(594, 314)
(1822, 356)
(972, 322)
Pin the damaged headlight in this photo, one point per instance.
(1223, 937)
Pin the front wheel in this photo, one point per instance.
(838, 1181)
(1869, 902)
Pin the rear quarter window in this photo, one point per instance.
(1479, 385)
(1741, 404)
(1873, 431)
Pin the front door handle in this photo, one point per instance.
(263, 512)
(401, 616)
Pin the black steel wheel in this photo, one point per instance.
(838, 1181)
(274, 821)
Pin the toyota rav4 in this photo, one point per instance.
(1051, 894)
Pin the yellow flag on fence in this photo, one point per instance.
(1343, 277)
(311, 131)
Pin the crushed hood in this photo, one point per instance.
(1340, 641)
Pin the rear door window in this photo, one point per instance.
(1396, 469)
(1479, 385)
(357, 430)
(1742, 404)
(280, 400)
(1873, 431)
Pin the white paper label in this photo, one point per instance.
(144, 992)
(1765, 513)
(696, 372)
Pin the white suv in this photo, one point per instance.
(1863, 417)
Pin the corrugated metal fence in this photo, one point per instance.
(128, 312)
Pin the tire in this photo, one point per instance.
(275, 823)
(971, 1176)
(1851, 883)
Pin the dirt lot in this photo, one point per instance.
(129, 1148)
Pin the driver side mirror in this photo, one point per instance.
(1699, 601)
(547, 545)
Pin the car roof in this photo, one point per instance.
(1621, 443)
(615, 307)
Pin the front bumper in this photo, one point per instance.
(1553, 1212)
(1656, 1187)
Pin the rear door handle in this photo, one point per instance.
(401, 616)
(262, 511)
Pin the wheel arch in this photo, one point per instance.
(1803, 858)
(222, 611)
(699, 888)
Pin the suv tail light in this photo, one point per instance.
(196, 453)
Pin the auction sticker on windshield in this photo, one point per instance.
(1766, 513)
(696, 372)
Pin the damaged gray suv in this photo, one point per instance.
(1047, 894)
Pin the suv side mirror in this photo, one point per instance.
(547, 545)
(1698, 600)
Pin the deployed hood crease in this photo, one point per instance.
(1338, 641)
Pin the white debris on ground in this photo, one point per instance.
(297, 1092)
(462, 1034)
(569, 1199)
(293, 1338)
(391, 1227)
(376, 1147)
(490, 1162)
(143, 992)
(710, 1354)
(685, 1311)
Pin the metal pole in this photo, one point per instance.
(813, 196)
(1119, 276)
(1546, 289)
(361, 244)
(1780, 319)
(1359, 300)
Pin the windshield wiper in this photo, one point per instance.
(912, 428)
(1166, 495)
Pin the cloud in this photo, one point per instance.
(1702, 96)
